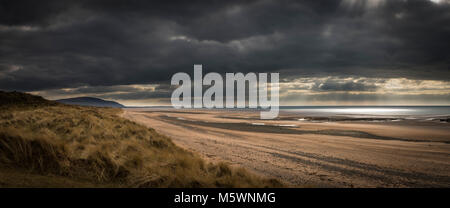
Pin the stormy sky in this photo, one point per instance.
(328, 52)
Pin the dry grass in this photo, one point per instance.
(96, 146)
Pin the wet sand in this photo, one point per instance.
(312, 154)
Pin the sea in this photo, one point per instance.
(410, 112)
(369, 111)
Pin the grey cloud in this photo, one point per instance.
(107, 43)
(334, 85)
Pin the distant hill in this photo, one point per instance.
(90, 101)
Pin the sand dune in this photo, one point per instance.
(331, 154)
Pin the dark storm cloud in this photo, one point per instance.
(56, 44)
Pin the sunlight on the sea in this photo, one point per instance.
(368, 110)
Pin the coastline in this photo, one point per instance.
(317, 154)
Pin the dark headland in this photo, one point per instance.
(90, 101)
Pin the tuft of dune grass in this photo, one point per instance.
(96, 145)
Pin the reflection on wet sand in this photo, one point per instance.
(326, 153)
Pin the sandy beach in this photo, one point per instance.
(312, 154)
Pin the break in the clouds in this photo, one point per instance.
(345, 51)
